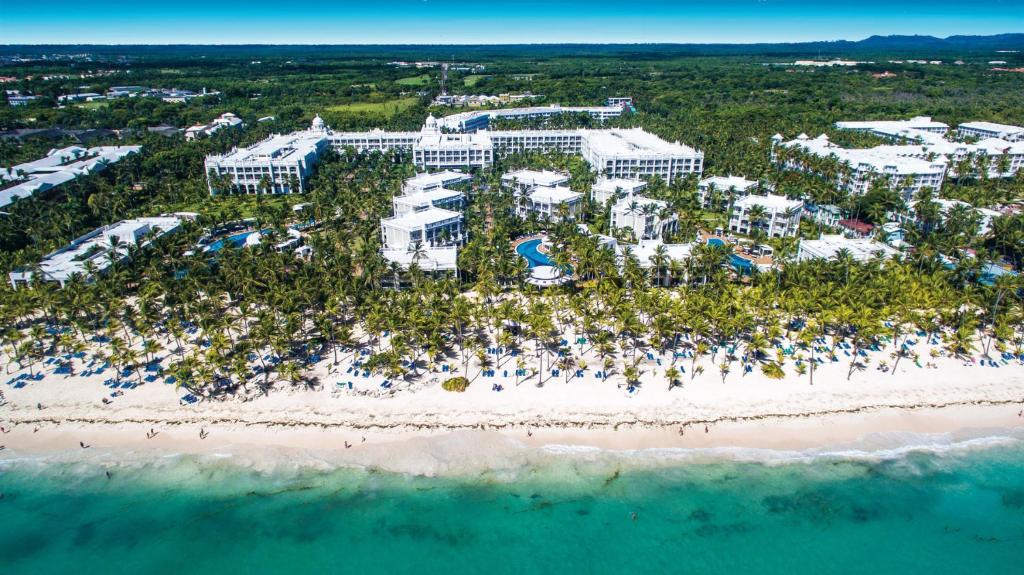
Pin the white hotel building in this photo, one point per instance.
(417, 201)
(908, 173)
(983, 130)
(431, 227)
(643, 217)
(56, 168)
(829, 247)
(715, 191)
(547, 202)
(893, 128)
(615, 153)
(605, 189)
(280, 159)
(521, 182)
(781, 216)
(95, 251)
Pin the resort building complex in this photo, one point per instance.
(908, 174)
(776, 216)
(96, 251)
(521, 182)
(615, 153)
(56, 168)
(432, 180)
(831, 247)
(481, 119)
(922, 155)
(417, 201)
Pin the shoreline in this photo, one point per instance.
(441, 451)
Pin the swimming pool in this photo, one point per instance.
(534, 258)
(237, 240)
(740, 263)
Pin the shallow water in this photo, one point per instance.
(911, 511)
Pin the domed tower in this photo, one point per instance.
(430, 126)
(318, 124)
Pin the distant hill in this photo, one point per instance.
(904, 45)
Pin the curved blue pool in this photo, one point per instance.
(534, 258)
(741, 264)
(237, 241)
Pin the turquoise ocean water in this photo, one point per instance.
(917, 511)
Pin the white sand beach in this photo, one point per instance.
(748, 410)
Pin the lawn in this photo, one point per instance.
(421, 80)
(92, 105)
(388, 107)
(473, 79)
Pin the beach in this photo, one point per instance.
(746, 410)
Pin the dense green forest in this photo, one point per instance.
(728, 106)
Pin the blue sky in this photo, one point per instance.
(494, 21)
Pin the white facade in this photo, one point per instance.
(523, 181)
(435, 197)
(991, 130)
(427, 228)
(644, 217)
(58, 167)
(714, 192)
(984, 215)
(781, 216)
(826, 215)
(284, 161)
(634, 153)
(546, 202)
(892, 128)
(480, 119)
(830, 246)
(908, 174)
(605, 189)
(430, 260)
(431, 180)
(96, 251)
(226, 120)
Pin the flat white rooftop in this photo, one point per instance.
(58, 167)
(613, 184)
(634, 142)
(737, 183)
(428, 259)
(98, 249)
(417, 220)
(543, 178)
(418, 198)
(829, 246)
(554, 195)
(993, 127)
(430, 180)
(647, 249)
(770, 202)
(279, 147)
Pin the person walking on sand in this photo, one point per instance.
(706, 429)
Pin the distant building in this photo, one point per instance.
(645, 218)
(853, 228)
(780, 217)
(826, 214)
(830, 247)
(56, 168)
(226, 120)
(991, 130)
(96, 251)
(891, 128)
(523, 181)
(715, 192)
